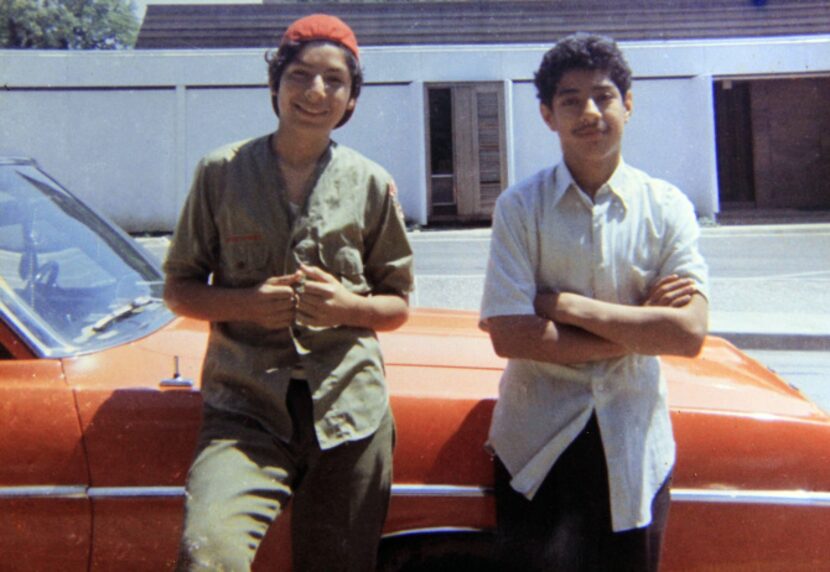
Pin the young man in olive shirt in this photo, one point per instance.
(294, 248)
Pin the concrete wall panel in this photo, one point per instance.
(125, 129)
(114, 148)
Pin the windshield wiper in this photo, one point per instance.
(134, 307)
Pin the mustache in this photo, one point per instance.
(590, 128)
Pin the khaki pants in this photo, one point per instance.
(242, 477)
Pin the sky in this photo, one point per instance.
(140, 5)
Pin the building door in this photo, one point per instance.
(733, 124)
(773, 147)
(465, 132)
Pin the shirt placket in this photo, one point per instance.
(604, 380)
(601, 281)
(305, 230)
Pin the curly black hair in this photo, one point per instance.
(581, 52)
(280, 58)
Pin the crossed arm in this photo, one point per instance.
(570, 328)
(310, 296)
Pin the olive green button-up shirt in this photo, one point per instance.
(237, 229)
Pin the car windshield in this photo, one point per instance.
(69, 282)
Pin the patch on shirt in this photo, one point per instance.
(244, 238)
(392, 191)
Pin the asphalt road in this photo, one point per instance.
(773, 282)
(773, 279)
(759, 270)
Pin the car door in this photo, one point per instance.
(140, 422)
(45, 513)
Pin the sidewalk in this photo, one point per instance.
(760, 327)
(744, 310)
(763, 327)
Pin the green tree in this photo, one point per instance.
(67, 24)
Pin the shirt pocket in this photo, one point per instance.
(344, 261)
(244, 263)
(642, 272)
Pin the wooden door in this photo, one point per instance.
(467, 167)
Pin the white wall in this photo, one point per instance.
(124, 129)
(112, 147)
(386, 128)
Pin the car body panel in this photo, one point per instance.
(770, 441)
(742, 537)
(45, 517)
(752, 451)
(139, 437)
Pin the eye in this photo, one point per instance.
(335, 81)
(298, 74)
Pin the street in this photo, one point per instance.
(775, 279)
(752, 270)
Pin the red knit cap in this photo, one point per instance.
(322, 27)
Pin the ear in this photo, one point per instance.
(548, 116)
(628, 103)
(351, 105)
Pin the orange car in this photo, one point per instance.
(100, 405)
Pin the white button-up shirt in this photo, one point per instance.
(548, 235)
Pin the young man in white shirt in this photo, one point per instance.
(594, 271)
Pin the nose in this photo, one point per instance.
(316, 88)
(591, 108)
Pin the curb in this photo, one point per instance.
(772, 331)
(737, 230)
(779, 341)
(705, 231)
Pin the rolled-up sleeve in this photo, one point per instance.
(388, 258)
(193, 249)
(681, 251)
(510, 281)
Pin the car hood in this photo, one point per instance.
(720, 379)
(451, 345)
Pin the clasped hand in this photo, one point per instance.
(310, 296)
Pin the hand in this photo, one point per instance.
(672, 291)
(272, 304)
(323, 300)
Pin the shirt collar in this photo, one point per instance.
(618, 184)
(563, 181)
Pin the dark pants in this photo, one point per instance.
(243, 476)
(567, 525)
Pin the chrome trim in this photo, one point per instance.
(433, 530)
(440, 491)
(144, 492)
(717, 496)
(731, 496)
(135, 492)
(177, 382)
(44, 491)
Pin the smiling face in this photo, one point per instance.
(589, 114)
(315, 89)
